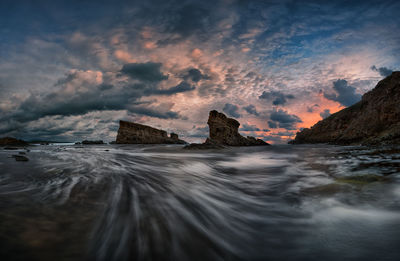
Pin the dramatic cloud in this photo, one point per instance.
(325, 114)
(168, 63)
(345, 94)
(383, 71)
(282, 119)
(149, 72)
(251, 109)
(231, 110)
(80, 92)
(277, 98)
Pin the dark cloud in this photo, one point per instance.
(152, 112)
(272, 124)
(195, 75)
(325, 114)
(231, 110)
(266, 130)
(246, 127)
(251, 109)
(181, 87)
(277, 97)
(148, 72)
(345, 94)
(189, 19)
(383, 71)
(282, 119)
(78, 93)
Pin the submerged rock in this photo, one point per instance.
(12, 141)
(20, 158)
(134, 133)
(361, 179)
(327, 189)
(224, 131)
(375, 120)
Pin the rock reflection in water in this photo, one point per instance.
(164, 203)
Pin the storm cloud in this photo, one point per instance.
(231, 110)
(149, 72)
(195, 75)
(282, 119)
(344, 94)
(277, 97)
(383, 71)
(251, 109)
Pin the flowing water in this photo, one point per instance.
(111, 202)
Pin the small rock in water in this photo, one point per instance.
(361, 179)
(20, 158)
(21, 153)
(11, 148)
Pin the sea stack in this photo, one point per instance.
(134, 133)
(224, 131)
(375, 120)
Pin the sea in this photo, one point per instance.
(162, 202)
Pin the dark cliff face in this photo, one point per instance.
(224, 130)
(134, 133)
(372, 121)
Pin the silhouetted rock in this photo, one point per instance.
(92, 142)
(134, 133)
(12, 141)
(375, 120)
(224, 131)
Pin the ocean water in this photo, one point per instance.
(136, 202)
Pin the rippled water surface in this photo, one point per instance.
(165, 203)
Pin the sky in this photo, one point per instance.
(70, 70)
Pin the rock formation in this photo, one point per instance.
(374, 120)
(12, 141)
(224, 132)
(134, 133)
(91, 142)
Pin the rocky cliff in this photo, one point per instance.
(134, 133)
(375, 120)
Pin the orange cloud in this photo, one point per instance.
(124, 56)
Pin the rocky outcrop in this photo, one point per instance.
(224, 131)
(12, 141)
(375, 120)
(92, 142)
(134, 133)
